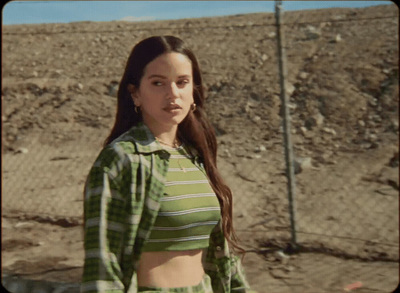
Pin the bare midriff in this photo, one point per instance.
(169, 269)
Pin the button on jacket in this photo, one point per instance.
(122, 199)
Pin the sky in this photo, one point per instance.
(34, 12)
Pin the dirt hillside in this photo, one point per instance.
(59, 84)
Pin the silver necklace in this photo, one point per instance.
(175, 144)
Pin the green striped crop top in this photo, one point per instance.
(189, 208)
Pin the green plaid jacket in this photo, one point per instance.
(122, 199)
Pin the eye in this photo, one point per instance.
(157, 83)
(183, 82)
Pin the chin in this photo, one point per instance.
(173, 122)
(178, 119)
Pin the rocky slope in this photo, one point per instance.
(58, 96)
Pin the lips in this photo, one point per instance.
(172, 107)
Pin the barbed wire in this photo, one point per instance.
(235, 26)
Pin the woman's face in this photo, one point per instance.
(165, 93)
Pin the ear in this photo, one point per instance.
(134, 94)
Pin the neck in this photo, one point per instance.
(165, 135)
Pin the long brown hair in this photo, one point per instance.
(195, 129)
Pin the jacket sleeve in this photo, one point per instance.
(223, 266)
(238, 279)
(104, 216)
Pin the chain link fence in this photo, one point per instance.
(343, 88)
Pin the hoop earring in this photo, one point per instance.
(193, 107)
(137, 109)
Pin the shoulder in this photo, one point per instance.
(132, 147)
(139, 139)
(113, 154)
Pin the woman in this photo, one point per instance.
(158, 216)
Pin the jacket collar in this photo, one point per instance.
(145, 141)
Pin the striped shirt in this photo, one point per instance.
(189, 208)
(123, 194)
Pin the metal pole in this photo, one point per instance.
(286, 123)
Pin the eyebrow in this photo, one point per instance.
(163, 77)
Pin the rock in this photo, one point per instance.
(247, 108)
(23, 224)
(315, 120)
(319, 119)
(303, 75)
(303, 130)
(289, 268)
(301, 164)
(312, 33)
(226, 153)
(280, 255)
(255, 119)
(289, 88)
(260, 148)
(57, 73)
(338, 38)
(21, 150)
(292, 106)
(372, 137)
(329, 131)
(113, 89)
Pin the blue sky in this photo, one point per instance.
(31, 12)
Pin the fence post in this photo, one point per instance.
(286, 124)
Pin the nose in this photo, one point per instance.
(173, 91)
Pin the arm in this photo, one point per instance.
(104, 214)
